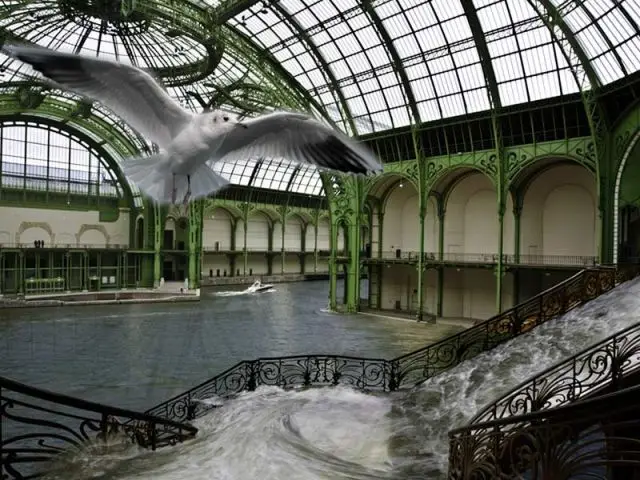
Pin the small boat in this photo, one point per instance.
(259, 287)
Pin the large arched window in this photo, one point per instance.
(40, 157)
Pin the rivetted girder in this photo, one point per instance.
(404, 79)
(229, 9)
(556, 19)
(333, 82)
(282, 73)
(483, 51)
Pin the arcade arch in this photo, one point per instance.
(400, 225)
(626, 214)
(293, 230)
(259, 229)
(217, 230)
(471, 220)
(559, 216)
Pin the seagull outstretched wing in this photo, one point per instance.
(129, 92)
(296, 137)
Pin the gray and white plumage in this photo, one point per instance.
(190, 143)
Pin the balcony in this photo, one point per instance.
(410, 257)
(63, 246)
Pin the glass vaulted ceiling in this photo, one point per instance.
(339, 51)
(375, 64)
(149, 45)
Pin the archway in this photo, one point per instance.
(626, 212)
(558, 223)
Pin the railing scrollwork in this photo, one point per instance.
(44, 431)
(404, 371)
(595, 438)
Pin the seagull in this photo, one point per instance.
(190, 143)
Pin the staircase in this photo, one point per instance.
(406, 371)
(581, 416)
(42, 431)
(39, 427)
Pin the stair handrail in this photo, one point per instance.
(375, 373)
(421, 364)
(580, 437)
(287, 371)
(597, 367)
(59, 422)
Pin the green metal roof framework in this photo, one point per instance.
(366, 66)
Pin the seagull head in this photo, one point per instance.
(222, 118)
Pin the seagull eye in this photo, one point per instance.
(226, 119)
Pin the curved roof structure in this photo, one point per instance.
(366, 65)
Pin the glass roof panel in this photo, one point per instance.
(149, 45)
(608, 33)
(340, 43)
(272, 173)
(335, 50)
(39, 157)
(307, 181)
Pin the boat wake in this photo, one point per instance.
(240, 293)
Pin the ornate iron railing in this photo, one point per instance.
(43, 431)
(404, 371)
(417, 366)
(597, 368)
(285, 372)
(595, 438)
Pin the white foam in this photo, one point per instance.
(339, 433)
(271, 434)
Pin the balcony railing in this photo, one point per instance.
(104, 246)
(46, 431)
(596, 368)
(490, 258)
(210, 249)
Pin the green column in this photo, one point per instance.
(353, 269)
(440, 299)
(158, 231)
(194, 252)
(282, 254)
(85, 267)
(517, 213)
(333, 271)
(380, 214)
(500, 262)
(420, 266)
(441, 279)
(67, 271)
(21, 272)
(441, 215)
(315, 248)
(245, 252)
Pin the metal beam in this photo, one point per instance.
(231, 8)
(483, 51)
(282, 73)
(555, 18)
(325, 66)
(404, 79)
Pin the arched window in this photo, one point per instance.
(39, 157)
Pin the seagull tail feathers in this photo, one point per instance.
(153, 176)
